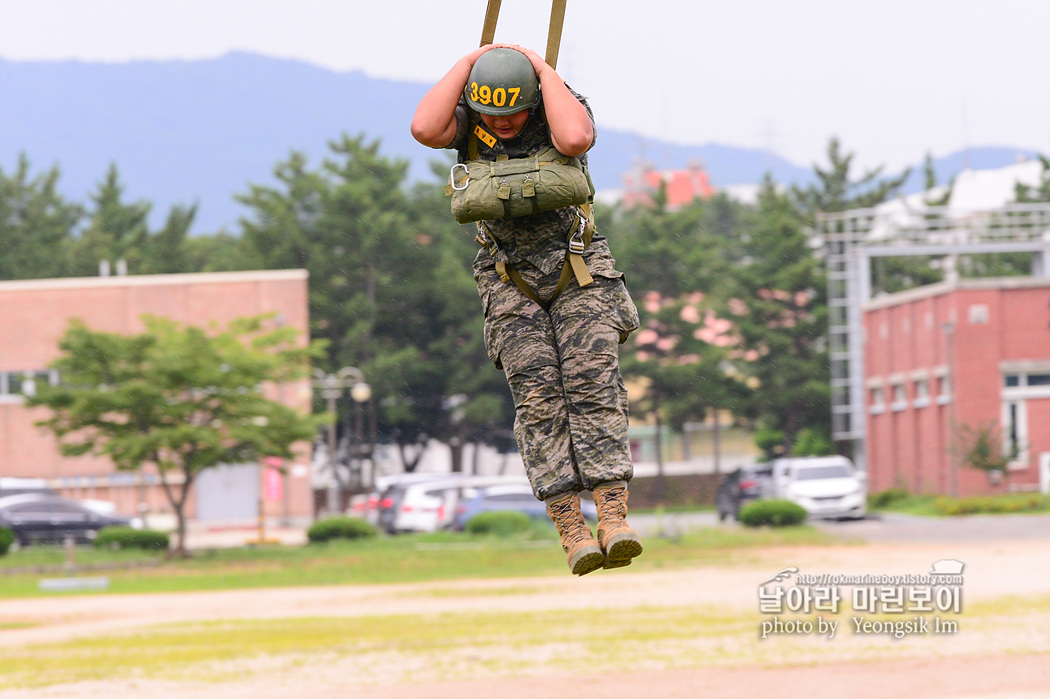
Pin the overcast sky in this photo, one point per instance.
(893, 79)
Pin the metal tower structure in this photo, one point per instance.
(851, 239)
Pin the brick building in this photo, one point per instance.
(946, 361)
(34, 314)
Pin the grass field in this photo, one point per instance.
(408, 558)
(942, 506)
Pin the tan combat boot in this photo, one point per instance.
(584, 554)
(619, 542)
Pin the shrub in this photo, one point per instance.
(340, 528)
(122, 537)
(772, 513)
(1003, 504)
(887, 497)
(503, 523)
(7, 537)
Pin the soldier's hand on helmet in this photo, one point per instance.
(538, 64)
(472, 57)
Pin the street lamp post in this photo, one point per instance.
(331, 387)
(360, 393)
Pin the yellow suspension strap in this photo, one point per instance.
(554, 32)
(488, 31)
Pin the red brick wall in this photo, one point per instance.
(993, 321)
(35, 314)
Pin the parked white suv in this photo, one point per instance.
(827, 487)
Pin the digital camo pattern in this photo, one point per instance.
(562, 366)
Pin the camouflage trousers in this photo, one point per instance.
(563, 369)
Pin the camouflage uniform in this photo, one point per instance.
(562, 363)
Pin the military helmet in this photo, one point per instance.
(502, 82)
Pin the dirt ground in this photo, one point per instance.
(996, 652)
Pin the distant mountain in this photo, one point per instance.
(201, 131)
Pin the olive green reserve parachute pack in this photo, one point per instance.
(492, 189)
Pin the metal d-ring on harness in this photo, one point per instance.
(452, 177)
(582, 229)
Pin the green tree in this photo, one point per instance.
(36, 224)
(837, 190)
(220, 252)
(780, 313)
(178, 398)
(115, 230)
(675, 252)
(167, 251)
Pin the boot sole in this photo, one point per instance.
(586, 561)
(621, 549)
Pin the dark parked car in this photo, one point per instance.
(740, 487)
(48, 518)
(518, 498)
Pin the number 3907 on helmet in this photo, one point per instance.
(502, 82)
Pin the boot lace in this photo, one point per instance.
(569, 524)
(612, 503)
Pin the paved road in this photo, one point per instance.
(971, 528)
(881, 527)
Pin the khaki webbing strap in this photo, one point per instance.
(472, 138)
(488, 31)
(575, 266)
(575, 260)
(554, 32)
(588, 230)
(510, 274)
(579, 268)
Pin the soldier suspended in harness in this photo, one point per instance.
(556, 309)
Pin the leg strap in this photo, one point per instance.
(575, 266)
(509, 274)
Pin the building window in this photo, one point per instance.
(922, 393)
(1039, 379)
(1020, 385)
(900, 397)
(978, 314)
(1015, 433)
(1026, 384)
(944, 390)
(878, 400)
(15, 385)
